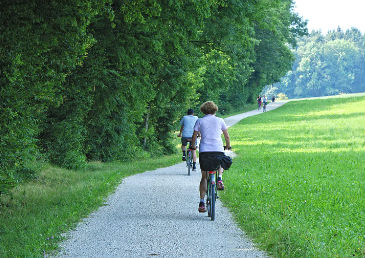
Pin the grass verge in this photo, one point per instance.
(246, 108)
(34, 214)
(297, 185)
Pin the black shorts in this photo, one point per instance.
(185, 140)
(208, 160)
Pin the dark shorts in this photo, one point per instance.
(208, 160)
(185, 140)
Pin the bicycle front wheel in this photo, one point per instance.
(189, 162)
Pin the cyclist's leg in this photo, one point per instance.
(194, 159)
(194, 155)
(203, 190)
(183, 147)
(220, 184)
(203, 185)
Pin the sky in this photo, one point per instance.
(327, 15)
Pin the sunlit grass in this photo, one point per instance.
(297, 186)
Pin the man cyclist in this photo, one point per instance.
(186, 132)
(264, 101)
(210, 129)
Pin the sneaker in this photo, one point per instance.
(194, 168)
(220, 185)
(202, 207)
(183, 158)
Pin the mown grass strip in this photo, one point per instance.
(246, 108)
(297, 186)
(35, 214)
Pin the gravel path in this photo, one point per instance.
(155, 214)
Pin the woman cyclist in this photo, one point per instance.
(210, 128)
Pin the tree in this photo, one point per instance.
(41, 43)
(107, 80)
(326, 65)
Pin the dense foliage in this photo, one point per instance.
(109, 79)
(326, 65)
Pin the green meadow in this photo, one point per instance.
(297, 185)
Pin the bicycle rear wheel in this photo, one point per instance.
(189, 162)
(208, 199)
(212, 201)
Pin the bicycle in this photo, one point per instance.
(189, 158)
(212, 193)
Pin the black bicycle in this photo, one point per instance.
(189, 158)
(212, 193)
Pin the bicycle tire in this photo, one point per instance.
(189, 162)
(208, 198)
(189, 166)
(187, 158)
(212, 202)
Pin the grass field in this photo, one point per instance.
(297, 186)
(35, 214)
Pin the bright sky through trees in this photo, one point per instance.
(327, 15)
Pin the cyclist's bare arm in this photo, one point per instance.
(193, 142)
(226, 137)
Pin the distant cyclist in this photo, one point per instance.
(258, 102)
(264, 103)
(186, 133)
(210, 128)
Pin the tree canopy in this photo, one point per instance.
(325, 65)
(109, 79)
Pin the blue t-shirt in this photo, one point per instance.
(188, 122)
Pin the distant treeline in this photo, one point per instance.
(108, 79)
(325, 65)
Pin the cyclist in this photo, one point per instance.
(264, 101)
(210, 129)
(259, 102)
(186, 132)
